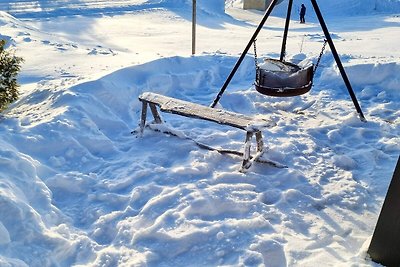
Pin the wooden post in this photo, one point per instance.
(385, 243)
(194, 28)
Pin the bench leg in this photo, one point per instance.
(156, 115)
(246, 152)
(260, 142)
(143, 118)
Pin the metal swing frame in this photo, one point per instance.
(283, 51)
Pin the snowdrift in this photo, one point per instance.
(77, 188)
(341, 8)
(43, 8)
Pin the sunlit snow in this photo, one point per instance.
(78, 189)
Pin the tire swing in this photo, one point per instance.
(283, 79)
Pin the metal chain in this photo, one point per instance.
(320, 55)
(256, 60)
(255, 53)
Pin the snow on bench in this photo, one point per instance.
(220, 116)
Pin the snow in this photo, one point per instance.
(78, 189)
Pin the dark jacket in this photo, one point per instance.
(303, 10)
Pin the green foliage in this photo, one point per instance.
(10, 65)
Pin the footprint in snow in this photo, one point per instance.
(270, 197)
(96, 51)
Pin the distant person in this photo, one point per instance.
(302, 13)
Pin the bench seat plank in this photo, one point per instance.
(188, 109)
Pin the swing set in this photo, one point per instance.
(262, 85)
(284, 79)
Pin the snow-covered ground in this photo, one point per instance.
(78, 189)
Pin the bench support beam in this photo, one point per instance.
(143, 118)
(246, 151)
(156, 115)
(260, 142)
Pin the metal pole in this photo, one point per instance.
(285, 34)
(337, 59)
(385, 243)
(242, 56)
(194, 28)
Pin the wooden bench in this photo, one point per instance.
(188, 109)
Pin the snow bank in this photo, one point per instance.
(211, 7)
(27, 214)
(44, 8)
(341, 8)
(78, 188)
(388, 6)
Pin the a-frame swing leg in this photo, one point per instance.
(243, 55)
(285, 34)
(337, 59)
